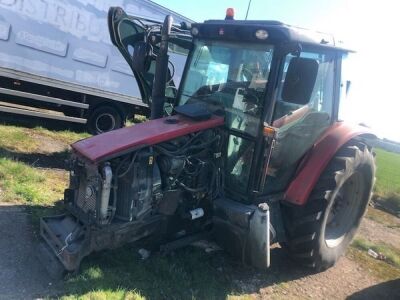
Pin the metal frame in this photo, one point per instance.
(43, 98)
(18, 75)
(26, 112)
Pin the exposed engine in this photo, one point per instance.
(178, 177)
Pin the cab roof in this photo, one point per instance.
(278, 32)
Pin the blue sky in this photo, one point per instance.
(370, 27)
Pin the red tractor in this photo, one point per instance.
(248, 150)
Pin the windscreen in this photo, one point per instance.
(231, 77)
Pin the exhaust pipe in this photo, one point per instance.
(160, 77)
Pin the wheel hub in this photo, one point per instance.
(344, 210)
(105, 122)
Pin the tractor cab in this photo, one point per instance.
(277, 86)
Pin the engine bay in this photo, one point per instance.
(167, 189)
(177, 177)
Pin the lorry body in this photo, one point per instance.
(57, 62)
(253, 154)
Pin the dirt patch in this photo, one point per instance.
(338, 282)
(376, 232)
(48, 145)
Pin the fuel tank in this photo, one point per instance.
(118, 142)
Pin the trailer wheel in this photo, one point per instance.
(319, 232)
(103, 119)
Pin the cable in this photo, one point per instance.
(129, 167)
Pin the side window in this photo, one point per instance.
(345, 86)
(321, 99)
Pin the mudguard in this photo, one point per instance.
(316, 160)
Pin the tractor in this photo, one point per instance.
(246, 148)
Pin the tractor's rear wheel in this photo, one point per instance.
(319, 232)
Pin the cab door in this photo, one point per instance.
(137, 40)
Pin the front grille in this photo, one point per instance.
(87, 194)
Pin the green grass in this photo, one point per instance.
(189, 274)
(25, 140)
(388, 178)
(24, 184)
(377, 268)
(65, 136)
(17, 139)
(392, 254)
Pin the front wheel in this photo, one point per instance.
(103, 119)
(319, 233)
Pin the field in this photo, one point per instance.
(387, 190)
(32, 175)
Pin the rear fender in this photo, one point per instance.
(319, 156)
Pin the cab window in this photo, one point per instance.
(321, 99)
(299, 126)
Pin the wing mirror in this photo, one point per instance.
(141, 57)
(300, 80)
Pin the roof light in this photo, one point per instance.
(230, 13)
(261, 34)
(195, 31)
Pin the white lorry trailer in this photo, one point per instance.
(57, 61)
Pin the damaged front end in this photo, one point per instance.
(161, 180)
(138, 188)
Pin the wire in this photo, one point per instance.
(129, 167)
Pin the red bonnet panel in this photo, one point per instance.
(152, 132)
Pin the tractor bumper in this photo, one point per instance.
(64, 239)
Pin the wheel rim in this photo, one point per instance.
(344, 210)
(105, 122)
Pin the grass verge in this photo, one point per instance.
(392, 254)
(189, 274)
(383, 218)
(24, 140)
(387, 188)
(377, 268)
(24, 184)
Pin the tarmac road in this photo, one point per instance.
(21, 274)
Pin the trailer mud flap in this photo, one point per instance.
(243, 231)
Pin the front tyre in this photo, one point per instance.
(319, 233)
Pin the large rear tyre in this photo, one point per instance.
(319, 233)
(103, 119)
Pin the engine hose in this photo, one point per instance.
(185, 145)
(185, 148)
(129, 167)
(192, 190)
